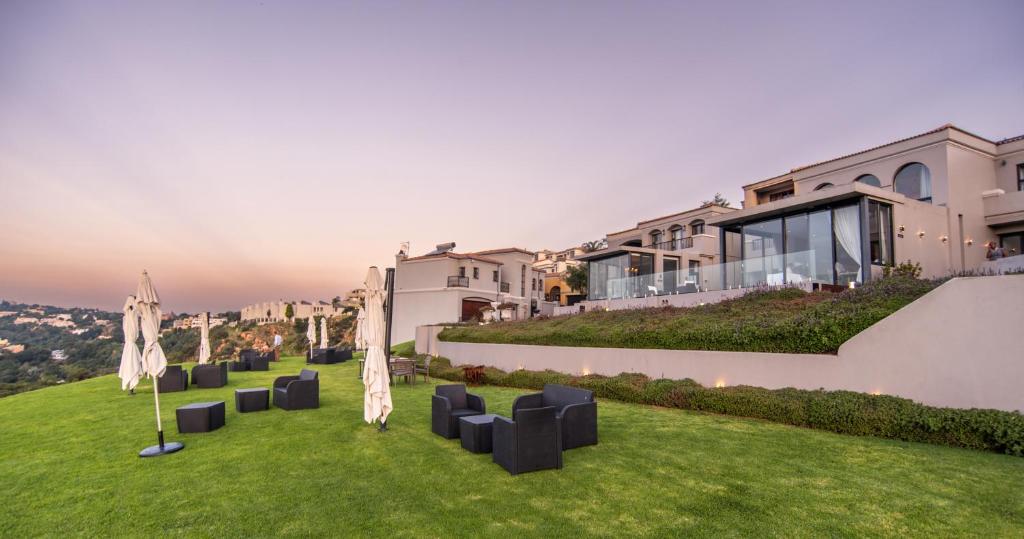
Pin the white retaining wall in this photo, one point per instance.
(957, 346)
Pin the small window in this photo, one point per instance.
(462, 271)
(696, 227)
(825, 185)
(494, 275)
(869, 179)
(522, 282)
(1020, 177)
(914, 181)
(655, 237)
(533, 284)
(780, 195)
(476, 273)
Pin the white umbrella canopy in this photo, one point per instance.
(204, 338)
(359, 338)
(376, 381)
(147, 303)
(311, 331)
(131, 360)
(323, 332)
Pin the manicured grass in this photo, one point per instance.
(786, 320)
(68, 466)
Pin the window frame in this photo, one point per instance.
(928, 172)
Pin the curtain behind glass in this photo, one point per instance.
(846, 223)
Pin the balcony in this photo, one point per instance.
(458, 281)
(1003, 208)
(672, 245)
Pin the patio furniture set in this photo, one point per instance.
(328, 356)
(251, 360)
(542, 425)
(299, 392)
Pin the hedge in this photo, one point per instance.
(786, 320)
(844, 412)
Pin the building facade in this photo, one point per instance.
(935, 199)
(665, 255)
(554, 265)
(444, 286)
(274, 311)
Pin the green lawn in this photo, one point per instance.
(68, 466)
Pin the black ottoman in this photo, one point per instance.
(200, 417)
(252, 400)
(240, 365)
(475, 431)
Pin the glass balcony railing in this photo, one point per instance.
(776, 270)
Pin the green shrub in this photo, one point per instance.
(783, 320)
(844, 412)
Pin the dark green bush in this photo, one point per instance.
(845, 412)
(784, 320)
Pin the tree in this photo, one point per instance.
(289, 312)
(336, 302)
(589, 246)
(719, 200)
(576, 277)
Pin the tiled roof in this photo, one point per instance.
(1011, 139)
(926, 133)
(455, 256)
(504, 250)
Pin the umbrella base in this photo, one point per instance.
(166, 449)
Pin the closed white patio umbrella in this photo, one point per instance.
(360, 340)
(154, 363)
(131, 360)
(376, 379)
(323, 332)
(204, 338)
(311, 334)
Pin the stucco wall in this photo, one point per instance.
(953, 347)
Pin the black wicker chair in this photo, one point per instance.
(260, 362)
(174, 379)
(530, 442)
(210, 375)
(297, 392)
(577, 412)
(448, 404)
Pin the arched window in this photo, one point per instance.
(869, 179)
(825, 185)
(914, 180)
(696, 227)
(676, 235)
(655, 237)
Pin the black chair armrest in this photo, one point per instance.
(578, 423)
(532, 400)
(437, 402)
(282, 381)
(503, 436)
(303, 394)
(578, 410)
(476, 402)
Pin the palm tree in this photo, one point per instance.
(589, 246)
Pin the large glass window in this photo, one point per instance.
(1012, 243)
(696, 227)
(732, 274)
(798, 243)
(819, 257)
(622, 276)
(762, 253)
(914, 181)
(670, 272)
(869, 179)
(880, 231)
(846, 225)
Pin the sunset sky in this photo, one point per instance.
(247, 151)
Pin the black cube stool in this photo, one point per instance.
(476, 432)
(252, 400)
(200, 417)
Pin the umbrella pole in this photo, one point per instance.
(161, 448)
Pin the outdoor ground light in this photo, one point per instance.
(720, 383)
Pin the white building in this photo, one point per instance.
(274, 311)
(444, 286)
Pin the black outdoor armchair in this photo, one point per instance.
(297, 392)
(260, 362)
(532, 441)
(210, 375)
(174, 379)
(576, 411)
(449, 403)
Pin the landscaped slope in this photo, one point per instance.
(68, 466)
(786, 320)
